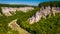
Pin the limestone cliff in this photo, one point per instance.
(43, 12)
(7, 10)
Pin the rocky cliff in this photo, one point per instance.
(6, 10)
(43, 12)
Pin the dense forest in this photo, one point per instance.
(50, 25)
(50, 3)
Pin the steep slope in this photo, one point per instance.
(50, 25)
(43, 13)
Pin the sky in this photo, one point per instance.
(27, 2)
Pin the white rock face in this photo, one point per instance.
(25, 9)
(38, 15)
(32, 19)
(7, 10)
(43, 13)
(55, 10)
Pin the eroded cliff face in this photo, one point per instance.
(43, 12)
(6, 10)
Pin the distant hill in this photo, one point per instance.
(15, 5)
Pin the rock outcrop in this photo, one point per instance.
(43, 12)
(7, 10)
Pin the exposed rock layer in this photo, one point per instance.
(43, 12)
(7, 10)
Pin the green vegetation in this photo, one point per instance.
(4, 29)
(15, 5)
(50, 3)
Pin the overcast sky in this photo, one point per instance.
(28, 2)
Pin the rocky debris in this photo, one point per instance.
(16, 27)
(43, 12)
(7, 10)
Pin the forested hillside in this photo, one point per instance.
(51, 25)
(50, 3)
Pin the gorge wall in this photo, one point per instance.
(43, 12)
(6, 10)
